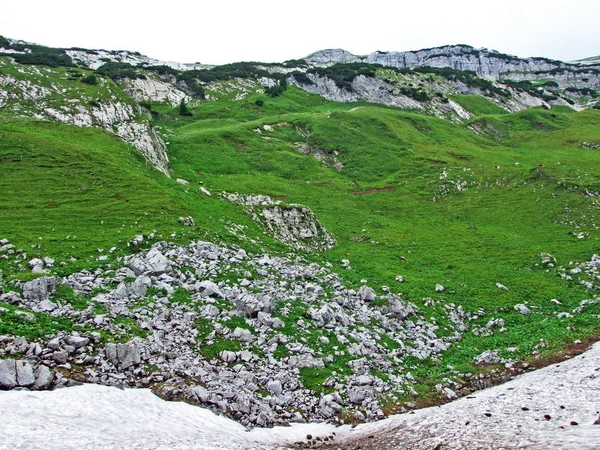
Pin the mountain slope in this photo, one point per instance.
(309, 258)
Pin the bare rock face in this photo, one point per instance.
(39, 289)
(123, 355)
(296, 225)
(485, 63)
(154, 91)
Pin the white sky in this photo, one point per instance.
(222, 31)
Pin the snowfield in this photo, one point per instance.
(554, 407)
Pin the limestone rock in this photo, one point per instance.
(25, 375)
(366, 294)
(43, 377)
(125, 355)
(8, 374)
(39, 289)
(523, 309)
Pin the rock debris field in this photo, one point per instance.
(242, 334)
(555, 407)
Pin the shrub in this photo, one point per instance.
(90, 79)
(183, 109)
(163, 70)
(344, 74)
(552, 84)
(301, 78)
(278, 89)
(118, 70)
(259, 103)
(43, 56)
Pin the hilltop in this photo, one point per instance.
(332, 238)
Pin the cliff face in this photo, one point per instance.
(485, 63)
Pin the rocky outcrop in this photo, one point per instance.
(148, 89)
(95, 58)
(567, 78)
(485, 63)
(332, 56)
(295, 225)
(378, 90)
(54, 102)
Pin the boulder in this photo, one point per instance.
(39, 289)
(24, 372)
(124, 355)
(522, 309)
(77, 341)
(366, 294)
(153, 263)
(8, 374)
(274, 387)
(43, 378)
(251, 305)
(209, 289)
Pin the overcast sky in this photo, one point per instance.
(217, 32)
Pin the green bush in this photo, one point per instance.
(278, 89)
(43, 56)
(551, 84)
(118, 70)
(344, 74)
(184, 110)
(301, 78)
(90, 79)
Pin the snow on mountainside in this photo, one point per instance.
(555, 407)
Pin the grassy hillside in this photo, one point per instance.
(422, 198)
(403, 194)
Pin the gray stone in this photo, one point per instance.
(366, 294)
(37, 265)
(187, 221)
(153, 263)
(209, 289)
(8, 374)
(77, 341)
(43, 378)
(439, 288)
(274, 387)
(39, 289)
(242, 335)
(357, 395)
(25, 375)
(522, 309)
(124, 355)
(47, 306)
(228, 356)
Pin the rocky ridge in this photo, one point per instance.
(485, 63)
